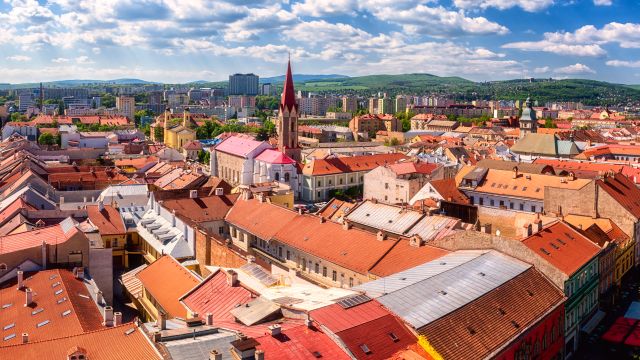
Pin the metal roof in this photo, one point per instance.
(389, 218)
(427, 292)
(433, 227)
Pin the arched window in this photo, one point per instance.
(286, 177)
(277, 177)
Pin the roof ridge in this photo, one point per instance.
(71, 336)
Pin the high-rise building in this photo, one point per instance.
(126, 106)
(288, 119)
(349, 104)
(25, 100)
(385, 106)
(373, 105)
(401, 104)
(243, 84)
(242, 101)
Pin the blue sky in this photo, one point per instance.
(180, 41)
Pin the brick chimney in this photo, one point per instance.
(346, 225)
(193, 194)
(538, 224)
(526, 230)
(161, 321)
(25, 338)
(20, 274)
(99, 297)
(108, 316)
(117, 318)
(28, 297)
(215, 355)
(209, 319)
(259, 355)
(322, 219)
(232, 278)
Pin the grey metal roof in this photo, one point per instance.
(255, 311)
(433, 227)
(427, 292)
(200, 347)
(567, 147)
(384, 217)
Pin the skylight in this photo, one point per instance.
(9, 337)
(43, 323)
(365, 349)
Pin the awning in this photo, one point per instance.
(593, 322)
(619, 331)
(633, 312)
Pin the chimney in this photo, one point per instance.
(209, 319)
(100, 205)
(108, 316)
(322, 220)
(308, 323)
(193, 194)
(526, 230)
(173, 217)
(20, 279)
(380, 236)
(232, 278)
(194, 315)
(25, 338)
(161, 321)
(538, 223)
(78, 272)
(99, 297)
(259, 355)
(44, 254)
(299, 211)
(28, 297)
(275, 329)
(346, 225)
(416, 241)
(117, 318)
(61, 200)
(515, 172)
(157, 337)
(215, 355)
(219, 191)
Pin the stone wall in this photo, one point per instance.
(212, 251)
(565, 201)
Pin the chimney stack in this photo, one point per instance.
(322, 219)
(209, 319)
(28, 297)
(161, 321)
(20, 279)
(219, 191)
(25, 338)
(215, 355)
(193, 194)
(117, 318)
(526, 230)
(538, 223)
(346, 225)
(259, 355)
(308, 323)
(108, 316)
(99, 297)
(380, 236)
(232, 278)
(275, 329)
(100, 205)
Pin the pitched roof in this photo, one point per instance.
(124, 342)
(202, 208)
(353, 249)
(52, 235)
(108, 220)
(563, 247)
(403, 256)
(532, 186)
(480, 328)
(272, 156)
(533, 143)
(167, 281)
(449, 191)
(298, 343)
(624, 191)
(410, 167)
(350, 164)
(46, 319)
(260, 219)
(288, 99)
(239, 145)
(535, 168)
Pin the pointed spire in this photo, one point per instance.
(288, 100)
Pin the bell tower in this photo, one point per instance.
(288, 119)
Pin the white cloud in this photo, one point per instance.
(83, 60)
(557, 48)
(541, 70)
(320, 8)
(527, 5)
(60, 60)
(96, 50)
(602, 2)
(575, 69)
(20, 58)
(624, 63)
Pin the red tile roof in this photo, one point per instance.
(9, 211)
(108, 221)
(201, 209)
(353, 249)
(52, 235)
(624, 191)
(563, 247)
(350, 164)
(114, 343)
(448, 189)
(298, 343)
(274, 157)
(84, 314)
(261, 219)
(479, 328)
(337, 319)
(404, 256)
(167, 281)
(409, 167)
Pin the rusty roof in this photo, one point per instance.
(623, 191)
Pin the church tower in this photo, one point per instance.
(528, 120)
(288, 119)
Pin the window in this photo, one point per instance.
(277, 176)
(324, 271)
(350, 282)
(288, 255)
(107, 244)
(286, 177)
(340, 181)
(386, 186)
(521, 207)
(334, 276)
(115, 242)
(511, 205)
(472, 200)
(318, 194)
(481, 201)
(533, 208)
(304, 264)
(319, 183)
(317, 268)
(501, 203)
(365, 349)
(393, 337)
(221, 230)
(329, 181)
(280, 252)
(491, 202)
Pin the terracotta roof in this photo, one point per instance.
(403, 256)
(411, 352)
(260, 219)
(349, 164)
(501, 182)
(192, 145)
(410, 167)
(624, 191)
(215, 296)
(353, 249)
(298, 343)
(449, 191)
(563, 247)
(201, 209)
(16, 206)
(378, 339)
(167, 281)
(123, 344)
(535, 168)
(52, 235)
(84, 314)
(479, 328)
(336, 209)
(108, 221)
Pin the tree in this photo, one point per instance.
(204, 157)
(158, 132)
(16, 116)
(550, 124)
(394, 141)
(141, 113)
(46, 139)
(270, 127)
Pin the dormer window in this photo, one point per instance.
(77, 353)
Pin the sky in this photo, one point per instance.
(175, 41)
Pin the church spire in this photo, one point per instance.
(288, 100)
